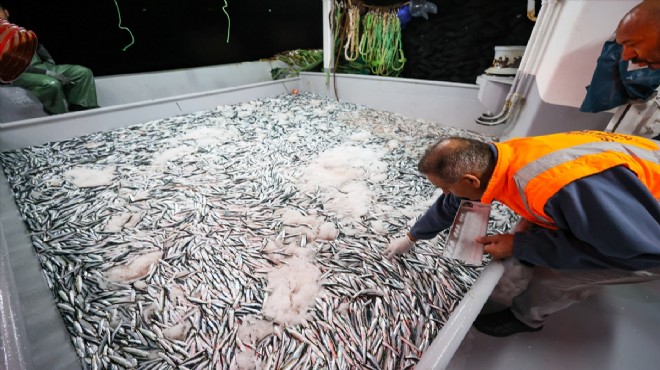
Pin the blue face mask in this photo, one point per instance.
(613, 84)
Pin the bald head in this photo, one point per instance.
(639, 33)
(452, 157)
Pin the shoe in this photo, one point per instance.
(501, 324)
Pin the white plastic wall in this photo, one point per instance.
(449, 103)
(567, 57)
(568, 62)
(538, 117)
(139, 87)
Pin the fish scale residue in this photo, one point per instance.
(249, 236)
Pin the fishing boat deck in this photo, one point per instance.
(615, 329)
(286, 127)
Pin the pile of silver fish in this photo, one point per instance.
(203, 195)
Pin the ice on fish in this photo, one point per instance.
(255, 237)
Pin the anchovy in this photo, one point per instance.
(159, 240)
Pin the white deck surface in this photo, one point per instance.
(614, 330)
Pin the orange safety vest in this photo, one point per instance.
(530, 170)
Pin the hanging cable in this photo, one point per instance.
(526, 73)
(124, 28)
(224, 9)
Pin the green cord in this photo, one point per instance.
(224, 9)
(380, 47)
(124, 28)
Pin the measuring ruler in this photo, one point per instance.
(471, 222)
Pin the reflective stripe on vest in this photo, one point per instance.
(525, 174)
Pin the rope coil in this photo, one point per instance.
(379, 50)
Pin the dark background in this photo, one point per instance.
(169, 34)
(456, 44)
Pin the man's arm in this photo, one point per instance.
(44, 54)
(437, 218)
(32, 69)
(607, 220)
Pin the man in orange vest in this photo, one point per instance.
(590, 200)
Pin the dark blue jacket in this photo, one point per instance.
(607, 220)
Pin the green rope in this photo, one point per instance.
(380, 46)
(124, 28)
(224, 9)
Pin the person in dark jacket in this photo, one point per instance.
(59, 87)
(590, 202)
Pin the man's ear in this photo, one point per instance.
(471, 180)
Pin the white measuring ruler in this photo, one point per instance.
(471, 222)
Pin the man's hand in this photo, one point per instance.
(62, 78)
(399, 246)
(499, 246)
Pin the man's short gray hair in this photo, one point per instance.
(451, 157)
